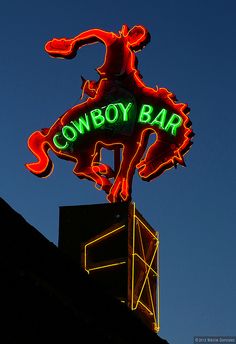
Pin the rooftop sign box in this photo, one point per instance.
(119, 113)
(119, 251)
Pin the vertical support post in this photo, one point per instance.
(116, 159)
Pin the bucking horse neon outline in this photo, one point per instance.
(119, 91)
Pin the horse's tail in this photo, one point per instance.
(39, 147)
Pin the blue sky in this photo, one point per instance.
(192, 53)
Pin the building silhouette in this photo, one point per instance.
(47, 297)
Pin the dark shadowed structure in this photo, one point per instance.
(47, 297)
(120, 251)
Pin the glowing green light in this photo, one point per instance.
(145, 113)
(111, 110)
(160, 119)
(82, 124)
(125, 110)
(112, 113)
(174, 123)
(57, 144)
(69, 133)
(97, 118)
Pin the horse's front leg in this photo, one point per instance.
(87, 168)
(122, 187)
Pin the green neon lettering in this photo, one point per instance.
(69, 133)
(57, 144)
(160, 119)
(82, 124)
(174, 123)
(125, 110)
(111, 108)
(145, 112)
(97, 118)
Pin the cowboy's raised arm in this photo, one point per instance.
(67, 48)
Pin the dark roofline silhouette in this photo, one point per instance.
(46, 296)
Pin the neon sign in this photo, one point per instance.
(120, 112)
(110, 114)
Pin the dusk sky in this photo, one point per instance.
(192, 52)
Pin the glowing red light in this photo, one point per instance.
(113, 117)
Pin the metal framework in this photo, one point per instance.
(141, 264)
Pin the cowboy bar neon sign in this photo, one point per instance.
(98, 118)
(120, 112)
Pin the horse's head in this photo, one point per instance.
(164, 153)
